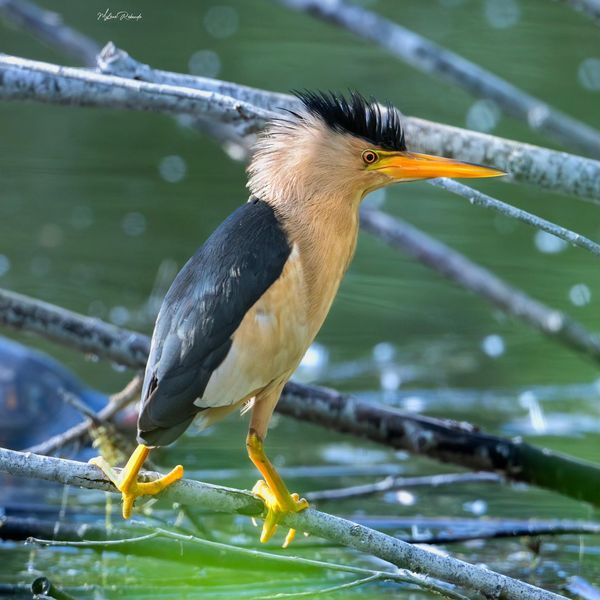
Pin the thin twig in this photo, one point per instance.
(454, 531)
(328, 590)
(430, 58)
(444, 440)
(406, 556)
(116, 403)
(253, 558)
(581, 588)
(49, 28)
(458, 268)
(400, 483)
(135, 541)
(480, 199)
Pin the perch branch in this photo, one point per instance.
(432, 59)
(48, 27)
(22, 79)
(347, 533)
(442, 440)
(458, 268)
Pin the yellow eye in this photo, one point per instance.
(369, 157)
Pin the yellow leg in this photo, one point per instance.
(126, 482)
(272, 490)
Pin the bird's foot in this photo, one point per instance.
(126, 481)
(277, 508)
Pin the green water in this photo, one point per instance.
(86, 220)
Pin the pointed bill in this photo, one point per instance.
(404, 166)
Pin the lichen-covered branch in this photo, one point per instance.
(336, 529)
(21, 79)
(49, 28)
(458, 268)
(433, 59)
(442, 440)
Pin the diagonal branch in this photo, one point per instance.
(220, 499)
(115, 404)
(458, 268)
(433, 59)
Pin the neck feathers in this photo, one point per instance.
(298, 168)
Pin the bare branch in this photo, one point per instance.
(430, 58)
(401, 483)
(220, 499)
(480, 199)
(548, 169)
(443, 440)
(22, 79)
(89, 335)
(49, 28)
(447, 441)
(461, 270)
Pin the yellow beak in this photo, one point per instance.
(404, 166)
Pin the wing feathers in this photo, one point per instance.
(201, 311)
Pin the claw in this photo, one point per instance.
(276, 510)
(126, 482)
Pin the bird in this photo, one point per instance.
(242, 312)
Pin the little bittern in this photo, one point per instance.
(242, 312)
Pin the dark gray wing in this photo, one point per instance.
(201, 311)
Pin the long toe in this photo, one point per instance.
(277, 510)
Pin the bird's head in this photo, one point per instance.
(338, 148)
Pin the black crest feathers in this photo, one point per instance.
(356, 116)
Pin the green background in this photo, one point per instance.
(86, 220)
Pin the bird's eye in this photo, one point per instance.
(369, 157)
